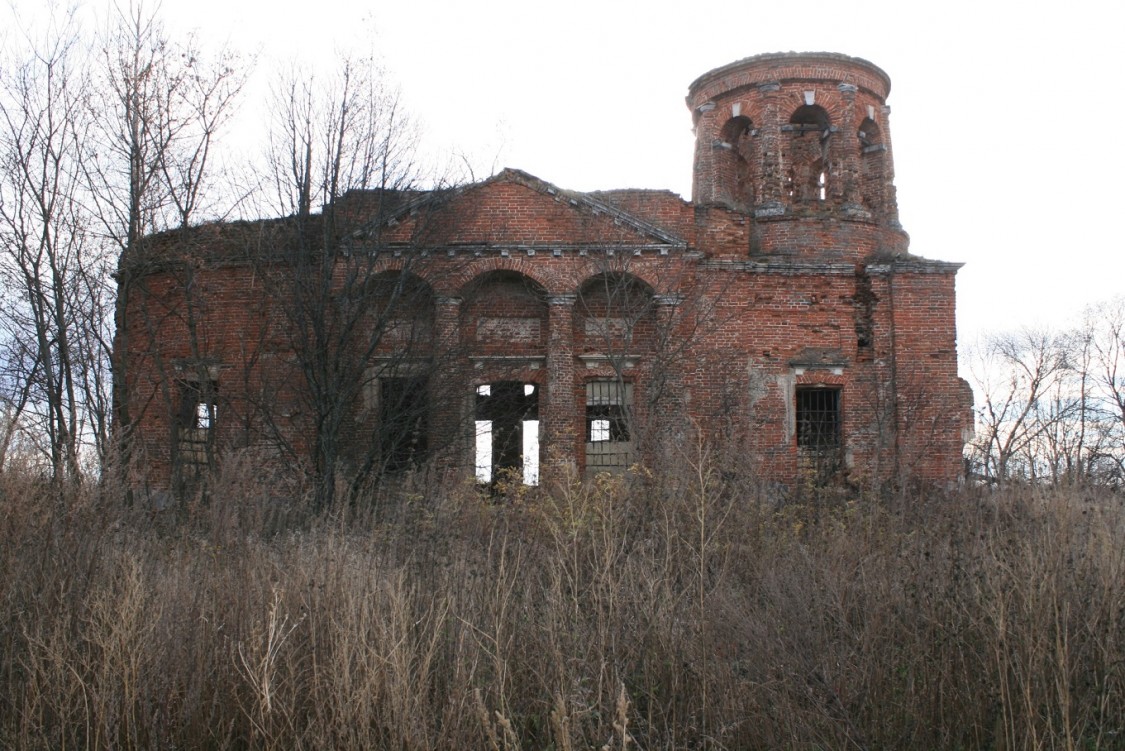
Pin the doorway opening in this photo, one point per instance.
(507, 432)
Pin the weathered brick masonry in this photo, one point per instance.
(512, 324)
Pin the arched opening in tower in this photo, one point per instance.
(735, 163)
(873, 160)
(806, 154)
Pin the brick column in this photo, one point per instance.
(664, 419)
(449, 425)
(558, 407)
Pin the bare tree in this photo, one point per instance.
(162, 105)
(1020, 378)
(1053, 402)
(48, 253)
(340, 143)
(1103, 332)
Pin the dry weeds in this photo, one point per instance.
(682, 611)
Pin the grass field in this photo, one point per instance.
(661, 612)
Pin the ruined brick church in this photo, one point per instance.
(514, 328)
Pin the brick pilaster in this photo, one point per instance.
(451, 424)
(558, 411)
(848, 147)
(772, 177)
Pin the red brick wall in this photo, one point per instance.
(738, 338)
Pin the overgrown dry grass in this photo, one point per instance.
(679, 611)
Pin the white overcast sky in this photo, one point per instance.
(1005, 115)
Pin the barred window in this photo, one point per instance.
(818, 419)
(609, 440)
(196, 422)
(819, 442)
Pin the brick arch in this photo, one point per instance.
(751, 106)
(642, 272)
(878, 105)
(388, 269)
(829, 101)
(485, 276)
(432, 275)
(828, 379)
(629, 276)
(460, 282)
(398, 267)
(806, 113)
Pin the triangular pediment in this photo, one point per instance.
(515, 209)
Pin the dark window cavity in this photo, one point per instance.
(402, 422)
(818, 433)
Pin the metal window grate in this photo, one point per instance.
(818, 419)
(609, 446)
(819, 455)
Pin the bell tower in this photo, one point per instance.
(801, 143)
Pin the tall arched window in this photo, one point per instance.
(805, 154)
(735, 163)
(873, 160)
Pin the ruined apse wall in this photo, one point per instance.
(778, 312)
(202, 322)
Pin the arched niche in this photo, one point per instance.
(504, 312)
(397, 312)
(615, 315)
(392, 343)
(504, 329)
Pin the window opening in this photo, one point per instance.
(204, 416)
(609, 441)
(196, 422)
(507, 432)
(806, 151)
(818, 430)
(735, 164)
(403, 422)
(872, 164)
